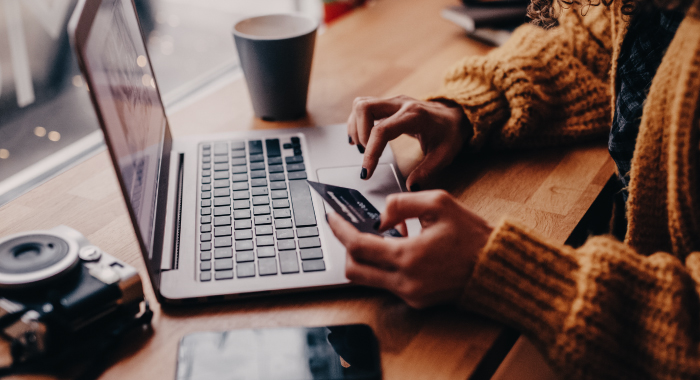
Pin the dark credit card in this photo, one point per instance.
(353, 207)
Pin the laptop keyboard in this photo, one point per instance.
(256, 213)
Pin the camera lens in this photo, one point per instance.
(29, 254)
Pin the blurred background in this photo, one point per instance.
(47, 122)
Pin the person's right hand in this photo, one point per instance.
(441, 129)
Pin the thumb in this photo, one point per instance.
(423, 174)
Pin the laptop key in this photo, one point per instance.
(301, 203)
(206, 159)
(244, 270)
(267, 266)
(263, 230)
(221, 183)
(239, 169)
(307, 232)
(287, 146)
(220, 159)
(296, 175)
(238, 154)
(242, 224)
(223, 264)
(220, 148)
(206, 187)
(278, 186)
(283, 223)
(222, 201)
(222, 231)
(294, 159)
(295, 141)
(273, 147)
(223, 275)
(239, 160)
(274, 177)
(241, 214)
(205, 256)
(268, 251)
(220, 167)
(242, 204)
(205, 211)
(258, 182)
(295, 167)
(262, 241)
(205, 246)
(244, 234)
(279, 194)
(288, 262)
(205, 219)
(311, 253)
(222, 221)
(206, 173)
(244, 245)
(206, 180)
(275, 169)
(223, 253)
(222, 192)
(309, 242)
(282, 213)
(257, 166)
(239, 177)
(261, 200)
(205, 237)
(223, 242)
(237, 145)
(207, 166)
(239, 186)
(258, 174)
(313, 265)
(261, 210)
(245, 256)
(205, 228)
(241, 194)
(221, 211)
(256, 158)
(205, 276)
(206, 195)
(280, 203)
(221, 175)
(284, 245)
(255, 146)
(259, 191)
(206, 203)
(263, 219)
(274, 160)
(286, 233)
(205, 265)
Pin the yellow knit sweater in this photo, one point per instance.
(608, 309)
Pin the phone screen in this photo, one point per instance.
(297, 353)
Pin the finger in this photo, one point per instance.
(390, 128)
(352, 120)
(367, 110)
(365, 248)
(427, 168)
(400, 207)
(368, 275)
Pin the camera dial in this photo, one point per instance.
(34, 258)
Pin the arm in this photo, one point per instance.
(543, 87)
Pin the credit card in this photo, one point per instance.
(353, 207)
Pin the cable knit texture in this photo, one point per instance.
(608, 310)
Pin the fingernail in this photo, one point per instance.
(363, 173)
(415, 188)
(377, 224)
(349, 140)
(361, 148)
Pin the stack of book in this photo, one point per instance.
(491, 21)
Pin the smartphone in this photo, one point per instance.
(341, 352)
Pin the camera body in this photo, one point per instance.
(59, 295)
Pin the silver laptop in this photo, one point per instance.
(217, 216)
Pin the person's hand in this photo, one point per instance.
(428, 269)
(439, 127)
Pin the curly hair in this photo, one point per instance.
(545, 12)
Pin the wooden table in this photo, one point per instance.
(388, 48)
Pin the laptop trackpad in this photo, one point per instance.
(382, 183)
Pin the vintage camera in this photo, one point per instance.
(62, 297)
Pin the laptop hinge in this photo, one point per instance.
(171, 255)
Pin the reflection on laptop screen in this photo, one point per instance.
(133, 116)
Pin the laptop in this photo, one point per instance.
(217, 216)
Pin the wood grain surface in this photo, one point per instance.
(388, 48)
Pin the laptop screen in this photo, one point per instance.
(132, 114)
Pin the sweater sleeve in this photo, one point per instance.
(601, 311)
(543, 87)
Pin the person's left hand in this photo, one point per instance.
(424, 270)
